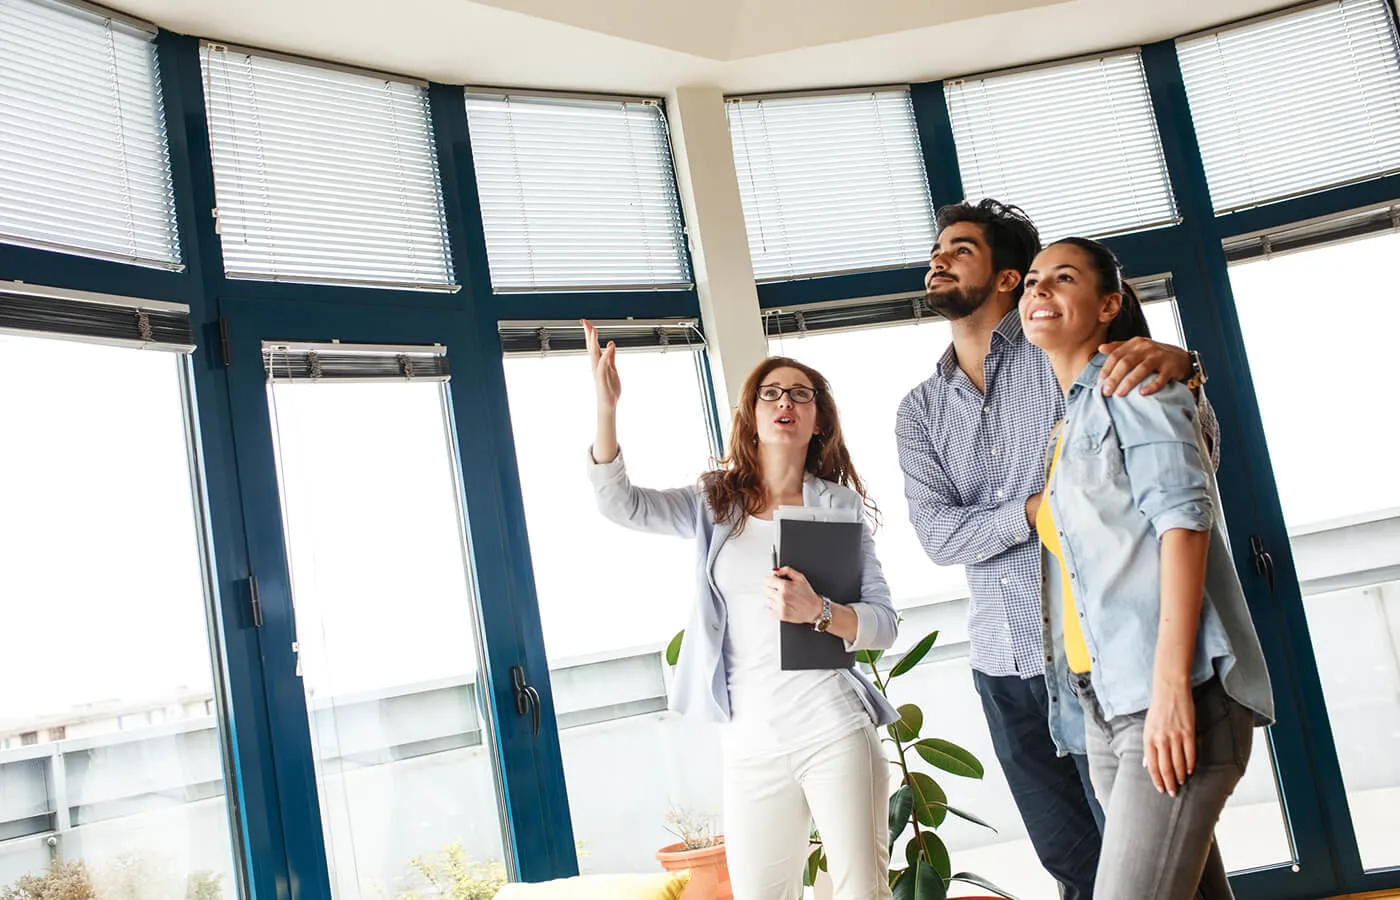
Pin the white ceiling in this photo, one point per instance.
(652, 46)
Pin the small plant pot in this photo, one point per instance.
(709, 871)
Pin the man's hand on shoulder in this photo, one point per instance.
(1132, 361)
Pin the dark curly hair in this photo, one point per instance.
(1008, 230)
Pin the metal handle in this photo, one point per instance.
(527, 699)
(1263, 562)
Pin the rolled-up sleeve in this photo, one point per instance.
(1162, 453)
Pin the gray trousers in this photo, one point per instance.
(1155, 846)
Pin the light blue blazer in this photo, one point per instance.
(702, 676)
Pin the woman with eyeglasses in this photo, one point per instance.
(799, 746)
(1157, 669)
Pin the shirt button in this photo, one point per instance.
(1071, 576)
(1001, 493)
(1005, 580)
(986, 409)
(994, 451)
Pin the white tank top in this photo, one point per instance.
(772, 711)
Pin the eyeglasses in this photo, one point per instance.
(800, 394)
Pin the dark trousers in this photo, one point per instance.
(1053, 793)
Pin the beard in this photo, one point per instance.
(958, 302)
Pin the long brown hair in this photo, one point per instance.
(734, 487)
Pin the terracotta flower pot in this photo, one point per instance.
(709, 872)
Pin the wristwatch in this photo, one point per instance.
(824, 621)
(1196, 376)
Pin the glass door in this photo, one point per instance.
(368, 598)
(112, 743)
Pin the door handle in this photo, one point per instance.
(1263, 562)
(527, 699)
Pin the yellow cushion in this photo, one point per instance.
(662, 886)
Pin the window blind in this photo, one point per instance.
(1296, 102)
(84, 166)
(1091, 167)
(312, 362)
(546, 338)
(1317, 233)
(124, 321)
(831, 183)
(323, 175)
(576, 193)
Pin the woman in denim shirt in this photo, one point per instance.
(799, 746)
(1157, 670)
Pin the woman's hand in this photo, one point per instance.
(606, 383)
(791, 598)
(608, 388)
(1169, 736)
(1130, 362)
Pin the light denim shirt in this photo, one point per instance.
(1133, 468)
(701, 686)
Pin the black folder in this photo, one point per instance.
(829, 555)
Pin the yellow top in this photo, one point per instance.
(1076, 651)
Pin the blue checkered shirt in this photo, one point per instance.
(970, 462)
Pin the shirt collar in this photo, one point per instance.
(1008, 330)
(1089, 378)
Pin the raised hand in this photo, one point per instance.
(606, 382)
(608, 388)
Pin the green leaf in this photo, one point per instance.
(901, 807)
(933, 851)
(949, 757)
(930, 803)
(963, 814)
(894, 875)
(915, 655)
(673, 649)
(809, 876)
(984, 884)
(911, 719)
(869, 657)
(920, 882)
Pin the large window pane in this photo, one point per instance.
(111, 764)
(1332, 435)
(611, 598)
(387, 635)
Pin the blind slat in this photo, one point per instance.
(1297, 103)
(324, 176)
(353, 363)
(554, 338)
(84, 164)
(1092, 168)
(831, 183)
(578, 180)
(92, 317)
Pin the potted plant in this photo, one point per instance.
(924, 872)
(699, 850)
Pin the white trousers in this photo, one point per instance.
(770, 803)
